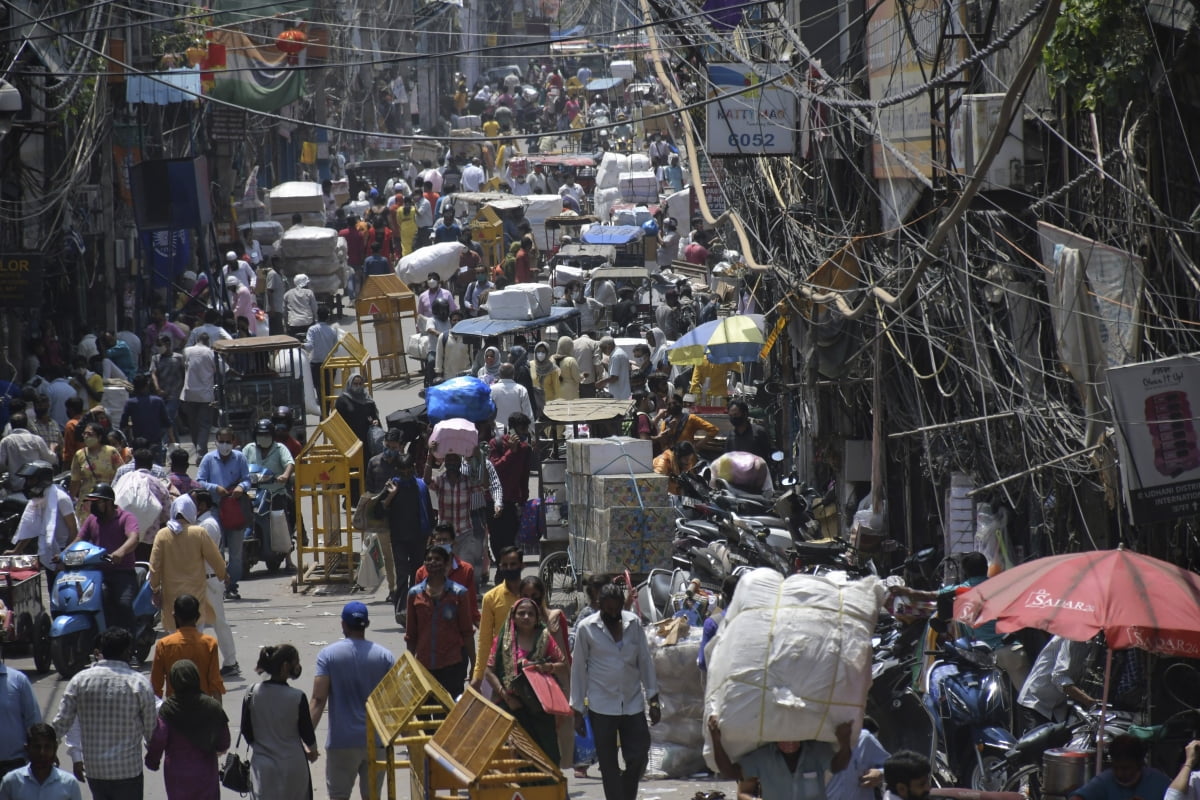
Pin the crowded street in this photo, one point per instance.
(639, 400)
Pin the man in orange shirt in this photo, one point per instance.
(676, 425)
(187, 642)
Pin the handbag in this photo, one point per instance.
(548, 692)
(232, 515)
(235, 772)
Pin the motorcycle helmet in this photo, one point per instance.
(283, 416)
(37, 477)
(103, 491)
(264, 426)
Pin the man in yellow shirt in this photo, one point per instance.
(677, 425)
(496, 605)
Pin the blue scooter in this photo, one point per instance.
(77, 606)
(968, 700)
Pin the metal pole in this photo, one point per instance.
(1103, 707)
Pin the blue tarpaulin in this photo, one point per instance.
(615, 235)
(486, 326)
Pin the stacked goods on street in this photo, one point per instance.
(441, 258)
(316, 252)
(619, 515)
(772, 625)
(676, 742)
(520, 301)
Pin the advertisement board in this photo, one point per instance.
(755, 122)
(1154, 406)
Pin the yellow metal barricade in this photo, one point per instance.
(326, 469)
(343, 361)
(386, 301)
(481, 750)
(405, 710)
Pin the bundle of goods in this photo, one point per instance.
(676, 741)
(466, 397)
(520, 301)
(441, 258)
(773, 624)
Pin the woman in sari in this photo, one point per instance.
(524, 641)
(558, 627)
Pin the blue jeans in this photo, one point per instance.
(172, 403)
(232, 542)
(121, 789)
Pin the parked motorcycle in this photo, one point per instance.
(969, 699)
(77, 606)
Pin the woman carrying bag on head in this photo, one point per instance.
(277, 725)
(524, 641)
(191, 729)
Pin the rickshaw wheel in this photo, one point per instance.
(41, 643)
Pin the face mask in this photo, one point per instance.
(224, 448)
(91, 441)
(98, 510)
(432, 284)
(390, 455)
(35, 491)
(508, 574)
(448, 547)
(264, 441)
(541, 356)
(482, 279)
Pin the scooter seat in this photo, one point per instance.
(753, 497)
(770, 522)
(819, 547)
(702, 528)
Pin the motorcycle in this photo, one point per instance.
(968, 698)
(12, 504)
(77, 608)
(263, 503)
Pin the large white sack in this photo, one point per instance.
(510, 304)
(612, 166)
(541, 297)
(538, 208)
(328, 284)
(679, 206)
(307, 241)
(312, 266)
(441, 258)
(639, 187)
(639, 162)
(792, 659)
(603, 201)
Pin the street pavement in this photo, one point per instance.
(271, 613)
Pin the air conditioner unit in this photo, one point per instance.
(977, 117)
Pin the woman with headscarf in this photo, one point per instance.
(181, 559)
(525, 641)
(558, 627)
(489, 373)
(658, 350)
(358, 409)
(191, 729)
(568, 369)
(546, 384)
(278, 727)
(518, 356)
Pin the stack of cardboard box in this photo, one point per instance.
(619, 518)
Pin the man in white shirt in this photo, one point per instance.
(59, 391)
(238, 268)
(211, 328)
(48, 518)
(509, 396)
(472, 175)
(197, 396)
(588, 355)
(215, 587)
(617, 382)
(610, 669)
(1052, 682)
(571, 189)
(22, 445)
(536, 180)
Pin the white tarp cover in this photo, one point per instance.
(792, 659)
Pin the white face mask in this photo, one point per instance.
(432, 284)
(224, 448)
(541, 356)
(264, 441)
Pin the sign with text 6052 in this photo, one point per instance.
(20, 280)
(758, 121)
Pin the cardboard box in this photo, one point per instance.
(617, 455)
(631, 524)
(644, 490)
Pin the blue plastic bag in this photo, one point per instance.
(585, 746)
(465, 397)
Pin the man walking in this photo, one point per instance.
(214, 588)
(197, 395)
(145, 417)
(509, 396)
(320, 341)
(18, 710)
(611, 667)
(181, 559)
(225, 473)
(40, 779)
(404, 501)
(187, 642)
(116, 713)
(462, 490)
(347, 672)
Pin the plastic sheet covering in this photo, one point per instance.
(773, 625)
(676, 741)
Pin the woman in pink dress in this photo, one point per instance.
(192, 728)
